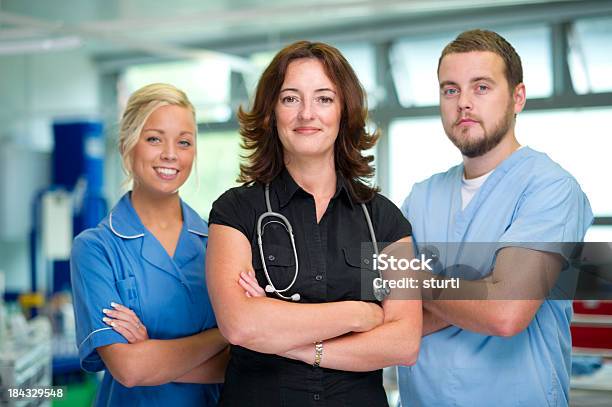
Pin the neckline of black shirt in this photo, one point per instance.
(285, 187)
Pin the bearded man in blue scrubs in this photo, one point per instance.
(507, 352)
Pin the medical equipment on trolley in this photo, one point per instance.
(379, 292)
(25, 360)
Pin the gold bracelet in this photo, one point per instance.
(318, 353)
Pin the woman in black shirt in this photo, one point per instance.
(318, 342)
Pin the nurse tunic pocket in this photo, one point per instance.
(129, 294)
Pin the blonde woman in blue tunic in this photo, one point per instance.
(142, 310)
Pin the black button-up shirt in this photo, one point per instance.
(330, 264)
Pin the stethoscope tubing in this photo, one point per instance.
(379, 293)
(287, 224)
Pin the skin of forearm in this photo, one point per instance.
(432, 323)
(468, 308)
(268, 325)
(154, 362)
(394, 343)
(504, 303)
(488, 317)
(211, 371)
(281, 326)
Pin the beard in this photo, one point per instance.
(475, 148)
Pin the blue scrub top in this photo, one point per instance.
(121, 261)
(527, 198)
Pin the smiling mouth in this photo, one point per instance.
(166, 173)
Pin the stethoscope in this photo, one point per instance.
(379, 292)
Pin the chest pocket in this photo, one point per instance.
(354, 258)
(361, 276)
(128, 292)
(280, 263)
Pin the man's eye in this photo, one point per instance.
(482, 88)
(450, 91)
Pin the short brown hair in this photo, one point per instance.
(483, 40)
(264, 159)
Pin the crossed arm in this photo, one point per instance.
(359, 335)
(520, 281)
(199, 358)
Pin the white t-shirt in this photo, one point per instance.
(469, 187)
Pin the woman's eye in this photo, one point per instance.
(326, 99)
(185, 143)
(289, 99)
(153, 139)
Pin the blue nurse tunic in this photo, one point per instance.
(121, 261)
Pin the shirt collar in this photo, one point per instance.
(285, 187)
(193, 221)
(124, 222)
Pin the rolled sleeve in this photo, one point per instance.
(94, 288)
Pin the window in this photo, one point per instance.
(362, 59)
(419, 148)
(206, 82)
(360, 56)
(260, 61)
(414, 63)
(590, 59)
(216, 170)
(578, 139)
(599, 234)
(533, 46)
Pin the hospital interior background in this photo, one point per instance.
(68, 66)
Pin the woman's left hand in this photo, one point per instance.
(126, 322)
(250, 285)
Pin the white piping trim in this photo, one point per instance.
(110, 223)
(87, 337)
(198, 233)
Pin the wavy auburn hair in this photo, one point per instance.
(264, 158)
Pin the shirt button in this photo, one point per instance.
(318, 277)
(316, 397)
(271, 258)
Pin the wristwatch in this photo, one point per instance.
(318, 353)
